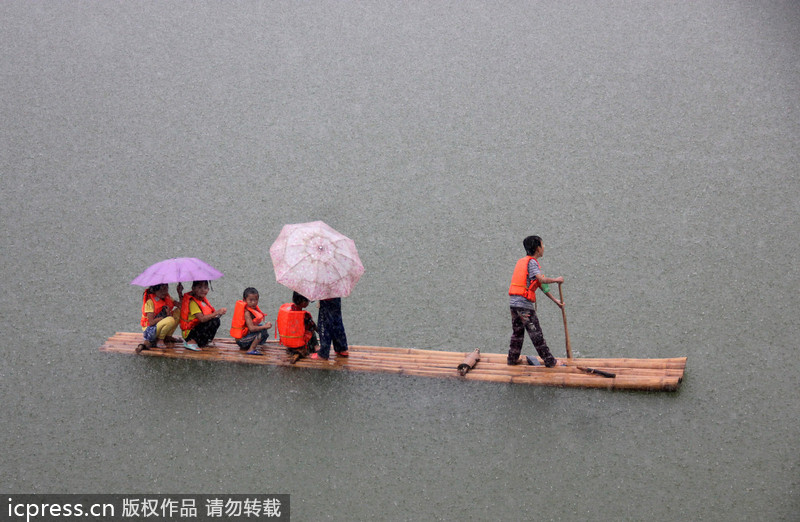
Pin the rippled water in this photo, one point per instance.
(653, 147)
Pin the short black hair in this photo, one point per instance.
(249, 291)
(155, 288)
(299, 298)
(531, 244)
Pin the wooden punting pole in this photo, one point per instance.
(564, 315)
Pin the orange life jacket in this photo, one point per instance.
(239, 324)
(157, 306)
(205, 309)
(292, 326)
(519, 280)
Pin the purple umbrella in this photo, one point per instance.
(177, 270)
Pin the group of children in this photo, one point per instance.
(199, 322)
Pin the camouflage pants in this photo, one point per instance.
(523, 319)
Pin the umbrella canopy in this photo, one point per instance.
(177, 270)
(315, 260)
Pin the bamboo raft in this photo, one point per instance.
(628, 374)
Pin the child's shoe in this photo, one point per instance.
(317, 356)
(255, 351)
(190, 346)
(343, 354)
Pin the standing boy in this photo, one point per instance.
(526, 279)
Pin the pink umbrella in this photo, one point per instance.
(177, 270)
(315, 260)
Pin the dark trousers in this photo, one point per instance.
(331, 327)
(203, 333)
(523, 319)
(245, 342)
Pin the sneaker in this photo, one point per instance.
(190, 346)
(343, 354)
(318, 357)
(255, 351)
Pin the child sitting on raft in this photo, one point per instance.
(159, 317)
(296, 327)
(249, 326)
(199, 320)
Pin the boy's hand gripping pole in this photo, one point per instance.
(564, 315)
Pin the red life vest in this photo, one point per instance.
(205, 309)
(239, 324)
(292, 326)
(157, 306)
(519, 280)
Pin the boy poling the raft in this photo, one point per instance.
(527, 278)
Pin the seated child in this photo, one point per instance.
(199, 320)
(159, 317)
(296, 327)
(249, 326)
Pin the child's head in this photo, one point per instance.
(200, 288)
(300, 300)
(532, 244)
(160, 291)
(250, 296)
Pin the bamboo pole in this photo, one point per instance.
(564, 316)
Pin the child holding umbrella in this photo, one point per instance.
(199, 320)
(331, 329)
